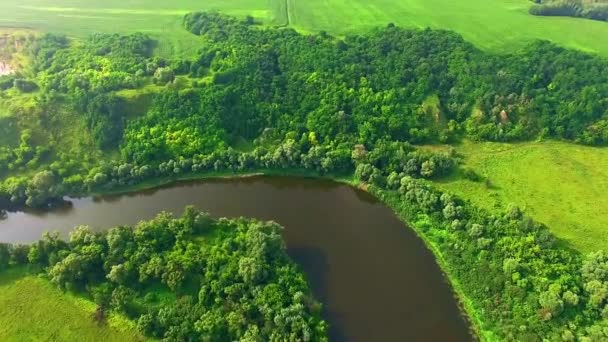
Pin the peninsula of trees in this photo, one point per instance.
(184, 279)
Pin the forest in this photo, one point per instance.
(255, 98)
(263, 98)
(191, 278)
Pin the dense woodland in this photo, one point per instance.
(591, 9)
(186, 279)
(267, 98)
(256, 98)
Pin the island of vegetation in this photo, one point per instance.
(591, 9)
(106, 114)
(183, 279)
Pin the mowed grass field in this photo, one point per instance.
(32, 309)
(562, 185)
(500, 25)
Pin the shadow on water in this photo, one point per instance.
(59, 208)
(313, 261)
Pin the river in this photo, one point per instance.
(375, 277)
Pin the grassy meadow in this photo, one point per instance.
(561, 185)
(161, 19)
(32, 309)
(499, 25)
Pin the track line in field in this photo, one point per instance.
(288, 10)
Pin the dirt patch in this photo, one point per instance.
(5, 68)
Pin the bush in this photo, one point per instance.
(7, 82)
(164, 75)
(25, 86)
(471, 175)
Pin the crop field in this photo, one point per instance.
(500, 25)
(561, 185)
(32, 309)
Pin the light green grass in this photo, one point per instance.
(161, 19)
(562, 185)
(32, 309)
(496, 24)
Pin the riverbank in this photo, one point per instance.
(165, 181)
(354, 250)
(466, 306)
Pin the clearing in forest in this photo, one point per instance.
(559, 184)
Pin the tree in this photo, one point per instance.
(251, 270)
(70, 272)
(551, 302)
(41, 189)
(164, 75)
(427, 169)
(364, 171)
(122, 299)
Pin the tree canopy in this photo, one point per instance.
(185, 279)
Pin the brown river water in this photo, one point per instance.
(375, 277)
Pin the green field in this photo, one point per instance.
(561, 185)
(32, 309)
(498, 24)
(162, 19)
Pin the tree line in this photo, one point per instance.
(521, 282)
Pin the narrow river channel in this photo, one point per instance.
(376, 278)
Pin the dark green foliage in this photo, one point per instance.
(12, 255)
(89, 72)
(372, 87)
(105, 116)
(24, 86)
(45, 48)
(471, 175)
(230, 279)
(4, 256)
(7, 82)
(301, 101)
(596, 9)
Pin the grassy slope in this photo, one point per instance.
(562, 185)
(497, 24)
(32, 309)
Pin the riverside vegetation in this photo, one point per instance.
(105, 114)
(184, 279)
